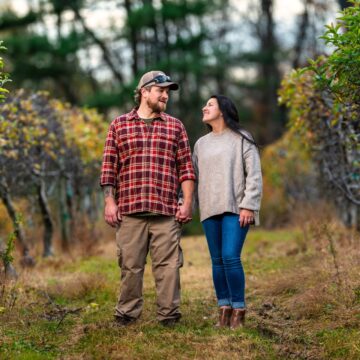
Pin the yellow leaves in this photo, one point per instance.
(26, 105)
(4, 124)
(12, 154)
(82, 128)
(37, 167)
(334, 122)
(92, 307)
(50, 130)
(2, 309)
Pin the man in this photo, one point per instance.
(146, 157)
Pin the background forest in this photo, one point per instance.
(67, 68)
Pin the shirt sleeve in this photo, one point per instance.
(109, 168)
(183, 158)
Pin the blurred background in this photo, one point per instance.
(78, 62)
(92, 53)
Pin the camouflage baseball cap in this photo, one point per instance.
(157, 78)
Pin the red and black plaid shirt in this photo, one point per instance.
(145, 163)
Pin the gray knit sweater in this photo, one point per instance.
(229, 174)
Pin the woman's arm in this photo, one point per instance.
(253, 178)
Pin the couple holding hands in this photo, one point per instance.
(146, 159)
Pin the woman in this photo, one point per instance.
(229, 191)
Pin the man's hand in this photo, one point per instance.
(183, 213)
(111, 212)
(246, 217)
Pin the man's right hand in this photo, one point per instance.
(111, 213)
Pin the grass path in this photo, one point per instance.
(63, 309)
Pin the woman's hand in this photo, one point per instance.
(246, 217)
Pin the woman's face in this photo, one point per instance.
(211, 111)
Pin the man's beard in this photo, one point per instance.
(155, 107)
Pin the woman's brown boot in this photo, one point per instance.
(237, 318)
(224, 317)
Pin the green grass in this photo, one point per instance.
(340, 343)
(36, 328)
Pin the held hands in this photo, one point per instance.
(183, 213)
(111, 213)
(246, 217)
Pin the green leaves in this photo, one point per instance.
(6, 255)
(4, 78)
(340, 72)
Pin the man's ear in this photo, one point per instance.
(144, 90)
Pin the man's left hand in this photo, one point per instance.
(183, 213)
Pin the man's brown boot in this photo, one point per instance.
(224, 317)
(237, 318)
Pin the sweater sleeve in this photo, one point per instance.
(196, 170)
(253, 177)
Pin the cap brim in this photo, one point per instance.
(171, 85)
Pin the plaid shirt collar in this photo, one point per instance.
(133, 115)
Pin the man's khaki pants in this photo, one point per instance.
(135, 237)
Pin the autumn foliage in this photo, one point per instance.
(324, 111)
(50, 153)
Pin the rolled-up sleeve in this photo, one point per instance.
(183, 158)
(109, 168)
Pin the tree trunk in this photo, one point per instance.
(100, 43)
(304, 23)
(350, 214)
(70, 93)
(133, 40)
(166, 35)
(70, 207)
(156, 54)
(270, 75)
(26, 260)
(46, 216)
(64, 217)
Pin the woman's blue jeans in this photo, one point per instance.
(225, 239)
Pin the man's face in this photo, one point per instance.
(156, 98)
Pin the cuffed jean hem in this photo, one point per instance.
(224, 302)
(238, 305)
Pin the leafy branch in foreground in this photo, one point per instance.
(4, 77)
(6, 255)
(339, 73)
